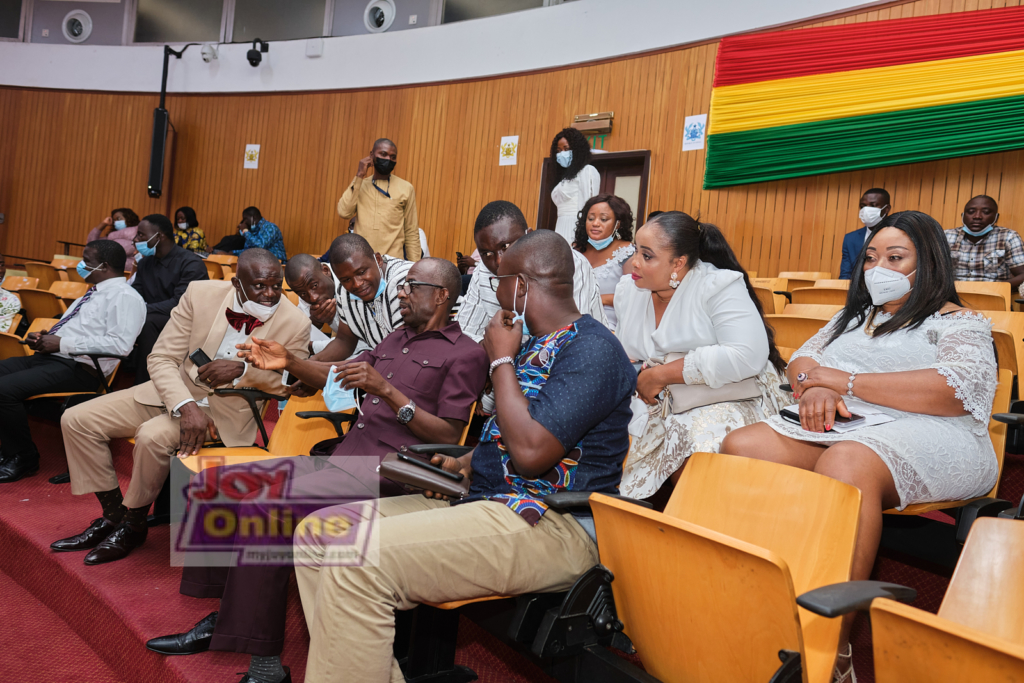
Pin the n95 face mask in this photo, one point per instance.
(886, 285)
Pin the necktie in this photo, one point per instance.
(238, 320)
(74, 312)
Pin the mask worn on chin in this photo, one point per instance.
(120, 225)
(85, 271)
(337, 398)
(383, 166)
(886, 285)
(564, 159)
(144, 248)
(383, 285)
(870, 216)
(601, 244)
(984, 231)
(258, 311)
(182, 226)
(521, 316)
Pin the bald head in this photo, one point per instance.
(543, 255)
(258, 258)
(258, 278)
(300, 267)
(439, 271)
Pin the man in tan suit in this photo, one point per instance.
(173, 413)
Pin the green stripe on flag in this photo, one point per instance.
(902, 137)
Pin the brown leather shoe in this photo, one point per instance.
(88, 539)
(121, 541)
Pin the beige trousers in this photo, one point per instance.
(424, 550)
(88, 429)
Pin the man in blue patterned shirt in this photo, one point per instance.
(261, 233)
(562, 414)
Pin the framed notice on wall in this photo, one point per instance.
(252, 157)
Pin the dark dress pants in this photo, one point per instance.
(21, 378)
(155, 323)
(254, 599)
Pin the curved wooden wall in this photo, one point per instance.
(67, 158)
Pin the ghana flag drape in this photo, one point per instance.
(840, 98)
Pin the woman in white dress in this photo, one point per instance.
(604, 234)
(709, 359)
(577, 180)
(903, 344)
(10, 304)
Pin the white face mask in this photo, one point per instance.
(886, 285)
(183, 226)
(870, 216)
(258, 311)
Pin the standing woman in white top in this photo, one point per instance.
(578, 181)
(709, 359)
(604, 234)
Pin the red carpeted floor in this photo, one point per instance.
(65, 621)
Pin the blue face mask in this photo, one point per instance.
(564, 158)
(984, 231)
(521, 316)
(337, 398)
(601, 244)
(144, 248)
(85, 271)
(120, 225)
(380, 287)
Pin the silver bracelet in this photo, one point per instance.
(500, 361)
(849, 385)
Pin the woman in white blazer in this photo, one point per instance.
(708, 363)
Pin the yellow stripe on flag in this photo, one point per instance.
(824, 97)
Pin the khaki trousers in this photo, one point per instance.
(88, 429)
(425, 551)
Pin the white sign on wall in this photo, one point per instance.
(693, 132)
(252, 156)
(508, 150)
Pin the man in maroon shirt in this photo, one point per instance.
(420, 383)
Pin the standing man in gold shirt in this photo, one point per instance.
(384, 204)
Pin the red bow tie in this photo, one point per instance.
(238, 320)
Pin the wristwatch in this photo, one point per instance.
(406, 413)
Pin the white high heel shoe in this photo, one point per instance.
(844, 660)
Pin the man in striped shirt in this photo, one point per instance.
(497, 227)
(367, 299)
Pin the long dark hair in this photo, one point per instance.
(190, 216)
(619, 207)
(580, 154)
(704, 241)
(934, 283)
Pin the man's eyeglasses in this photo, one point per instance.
(408, 286)
(496, 280)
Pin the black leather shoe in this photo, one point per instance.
(246, 678)
(192, 642)
(18, 466)
(87, 540)
(121, 541)
(62, 478)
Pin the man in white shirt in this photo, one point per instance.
(177, 409)
(497, 228)
(106, 320)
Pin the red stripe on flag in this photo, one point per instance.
(802, 52)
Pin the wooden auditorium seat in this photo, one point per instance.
(707, 590)
(978, 633)
(15, 283)
(69, 291)
(834, 284)
(778, 287)
(11, 346)
(830, 296)
(41, 303)
(792, 331)
(819, 311)
(44, 272)
(804, 278)
(214, 271)
(1013, 323)
(986, 296)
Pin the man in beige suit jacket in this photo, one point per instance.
(173, 413)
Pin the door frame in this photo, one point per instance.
(546, 216)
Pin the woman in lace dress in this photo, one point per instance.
(577, 180)
(10, 304)
(689, 295)
(603, 234)
(904, 344)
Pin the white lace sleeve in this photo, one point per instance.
(692, 373)
(813, 347)
(967, 360)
